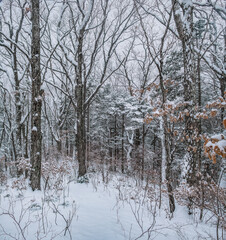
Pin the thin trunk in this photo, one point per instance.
(25, 136)
(166, 150)
(115, 143)
(163, 162)
(59, 142)
(18, 153)
(110, 144)
(0, 25)
(143, 145)
(67, 139)
(223, 79)
(123, 133)
(88, 137)
(81, 141)
(199, 150)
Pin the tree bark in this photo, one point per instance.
(115, 145)
(81, 119)
(37, 93)
(123, 133)
(185, 31)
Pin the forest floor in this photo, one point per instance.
(118, 208)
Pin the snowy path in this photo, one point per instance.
(99, 216)
(98, 219)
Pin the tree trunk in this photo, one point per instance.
(223, 79)
(115, 145)
(37, 93)
(199, 144)
(18, 114)
(80, 141)
(123, 133)
(88, 137)
(143, 149)
(185, 31)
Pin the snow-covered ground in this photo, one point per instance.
(118, 210)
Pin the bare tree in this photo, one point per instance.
(88, 56)
(11, 41)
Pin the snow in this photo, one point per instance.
(218, 137)
(222, 145)
(122, 208)
(219, 141)
(37, 99)
(139, 120)
(34, 129)
(115, 211)
(187, 3)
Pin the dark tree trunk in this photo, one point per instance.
(168, 156)
(143, 148)
(199, 144)
(167, 141)
(59, 146)
(36, 134)
(88, 136)
(223, 78)
(0, 29)
(115, 145)
(80, 141)
(123, 133)
(18, 115)
(67, 139)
